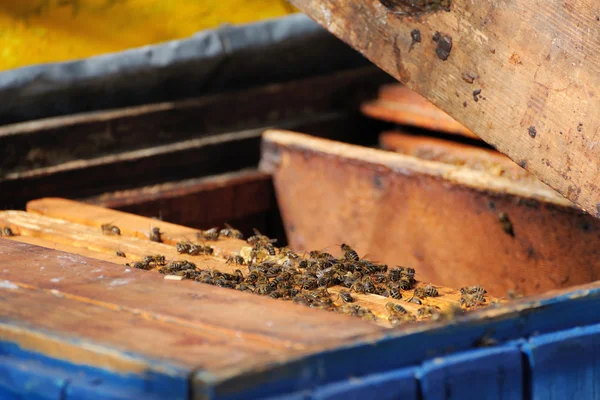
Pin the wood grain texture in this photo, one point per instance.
(186, 302)
(400, 105)
(444, 220)
(244, 199)
(453, 153)
(537, 67)
(57, 140)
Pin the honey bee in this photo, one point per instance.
(472, 300)
(379, 278)
(395, 293)
(394, 274)
(186, 248)
(358, 287)
(142, 265)
(155, 235)
(349, 253)
(230, 232)
(6, 231)
(345, 296)
(415, 300)
(419, 293)
(110, 229)
(252, 277)
(405, 283)
(211, 234)
(430, 291)
(119, 253)
(395, 309)
(259, 238)
(268, 247)
(310, 284)
(245, 287)
(263, 289)
(472, 290)
(235, 259)
(156, 259)
(369, 286)
(286, 252)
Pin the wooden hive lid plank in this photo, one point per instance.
(535, 69)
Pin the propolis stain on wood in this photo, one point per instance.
(41, 31)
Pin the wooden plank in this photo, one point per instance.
(191, 158)
(244, 199)
(444, 220)
(94, 337)
(53, 141)
(187, 303)
(564, 365)
(434, 149)
(490, 373)
(399, 384)
(536, 68)
(136, 249)
(403, 106)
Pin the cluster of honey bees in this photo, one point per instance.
(306, 279)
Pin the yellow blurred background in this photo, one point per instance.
(39, 31)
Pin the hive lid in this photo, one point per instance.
(524, 80)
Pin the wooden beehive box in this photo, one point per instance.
(78, 322)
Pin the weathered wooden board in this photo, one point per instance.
(535, 65)
(187, 306)
(444, 220)
(244, 199)
(70, 236)
(52, 141)
(399, 104)
(453, 153)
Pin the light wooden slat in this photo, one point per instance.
(403, 106)
(535, 64)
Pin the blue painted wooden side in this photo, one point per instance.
(30, 380)
(29, 375)
(490, 373)
(399, 384)
(577, 307)
(565, 365)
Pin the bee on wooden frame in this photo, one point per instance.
(155, 235)
(235, 259)
(6, 231)
(110, 229)
(230, 232)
